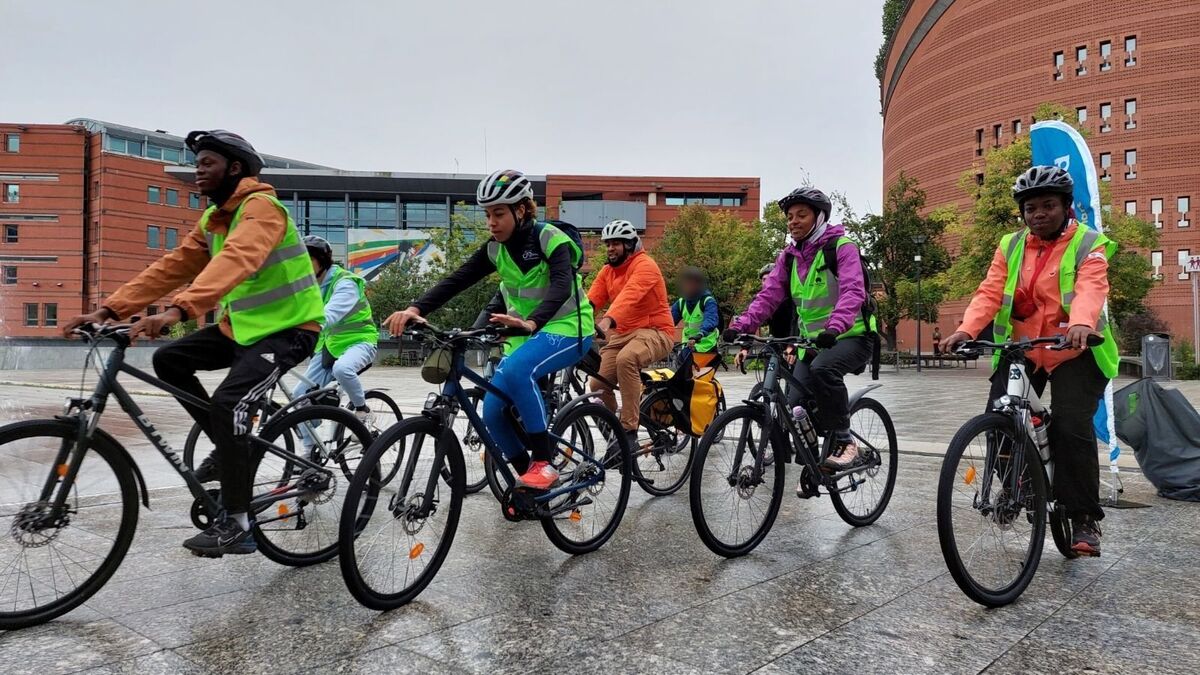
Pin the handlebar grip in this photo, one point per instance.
(1094, 340)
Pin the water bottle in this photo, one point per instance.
(1041, 434)
(804, 423)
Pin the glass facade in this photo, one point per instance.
(374, 215)
(704, 200)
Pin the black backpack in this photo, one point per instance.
(869, 308)
(573, 234)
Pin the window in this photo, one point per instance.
(704, 200)
(151, 310)
(979, 179)
(1156, 259)
(1105, 115)
(153, 194)
(12, 143)
(172, 197)
(193, 200)
(9, 275)
(1130, 48)
(10, 234)
(674, 200)
(1184, 205)
(1081, 113)
(1105, 164)
(31, 314)
(1130, 111)
(1156, 209)
(1059, 59)
(172, 236)
(978, 145)
(50, 314)
(1081, 60)
(1105, 56)
(997, 129)
(1131, 207)
(152, 238)
(1017, 127)
(12, 193)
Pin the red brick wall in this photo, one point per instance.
(990, 62)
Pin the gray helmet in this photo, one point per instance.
(766, 269)
(1041, 180)
(319, 249)
(810, 196)
(507, 186)
(228, 145)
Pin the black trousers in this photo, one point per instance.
(822, 375)
(1076, 388)
(227, 419)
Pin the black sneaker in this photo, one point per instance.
(225, 537)
(1086, 539)
(209, 470)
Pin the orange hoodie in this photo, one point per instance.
(1091, 290)
(638, 294)
(261, 229)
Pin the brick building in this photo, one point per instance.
(966, 75)
(87, 204)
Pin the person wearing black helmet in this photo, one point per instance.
(350, 338)
(1048, 279)
(245, 257)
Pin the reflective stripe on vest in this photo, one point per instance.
(281, 294)
(817, 295)
(524, 291)
(693, 320)
(1084, 241)
(357, 326)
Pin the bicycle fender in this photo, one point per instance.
(582, 398)
(137, 472)
(862, 392)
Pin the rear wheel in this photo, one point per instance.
(662, 459)
(474, 454)
(198, 446)
(991, 510)
(861, 497)
(51, 564)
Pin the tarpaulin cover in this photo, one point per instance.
(1164, 431)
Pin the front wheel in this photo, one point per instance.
(991, 510)
(861, 497)
(50, 563)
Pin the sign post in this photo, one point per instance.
(1193, 269)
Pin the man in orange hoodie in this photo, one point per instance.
(637, 326)
(1043, 302)
(246, 257)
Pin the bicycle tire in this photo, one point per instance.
(948, 480)
(354, 521)
(271, 540)
(1060, 531)
(470, 451)
(623, 469)
(106, 449)
(193, 437)
(838, 498)
(716, 432)
(688, 444)
(380, 395)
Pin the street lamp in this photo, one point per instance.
(919, 240)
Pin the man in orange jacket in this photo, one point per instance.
(637, 325)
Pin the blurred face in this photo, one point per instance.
(500, 221)
(1044, 215)
(801, 219)
(689, 286)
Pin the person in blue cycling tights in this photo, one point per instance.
(350, 338)
(542, 294)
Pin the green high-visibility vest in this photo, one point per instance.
(817, 295)
(357, 327)
(524, 291)
(282, 294)
(692, 320)
(1084, 242)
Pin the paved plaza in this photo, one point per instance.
(816, 596)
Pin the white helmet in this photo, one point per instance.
(619, 229)
(507, 186)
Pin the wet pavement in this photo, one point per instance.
(816, 596)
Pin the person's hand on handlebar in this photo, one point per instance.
(395, 323)
(1077, 336)
(514, 322)
(101, 315)
(956, 338)
(155, 325)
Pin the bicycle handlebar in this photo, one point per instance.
(489, 333)
(1056, 343)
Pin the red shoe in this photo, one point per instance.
(539, 476)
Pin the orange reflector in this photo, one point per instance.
(575, 516)
(416, 551)
(283, 510)
(62, 470)
(970, 477)
(483, 456)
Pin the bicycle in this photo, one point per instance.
(996, 486)
(740, 462)
(73, 529)
(402, 546)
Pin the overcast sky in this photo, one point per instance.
(781, 89)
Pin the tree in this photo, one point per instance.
(893, 11)
(995, 214)
(886, 241)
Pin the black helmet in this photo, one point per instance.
(810, 196)
(319, 249)
(1041, 180)
(228, 145)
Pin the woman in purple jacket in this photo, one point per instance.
(829, 298)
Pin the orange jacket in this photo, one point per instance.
(261, 229)
(638, 294)
(1091, 290)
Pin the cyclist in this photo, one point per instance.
(349, 340)
(1051, 278)
(696, 309)
(245, 256)
(541, 289)
(829, 309)
(637, 327)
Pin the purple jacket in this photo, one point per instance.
(778, 284)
